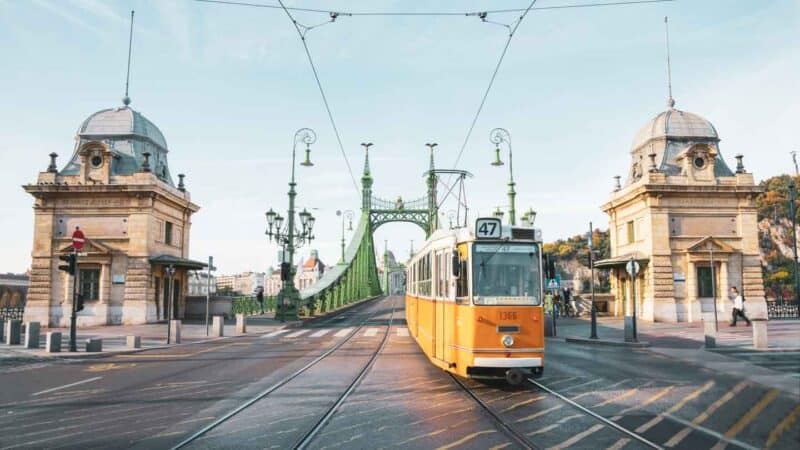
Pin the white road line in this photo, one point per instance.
(370, 332)
(297, 333)
(320, 333)
(275, 333)
(402, 332)
(568, 443)
(89, 380)
(619, 444)
(343, 332)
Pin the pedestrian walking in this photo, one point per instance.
(260, 297)
(738, 307)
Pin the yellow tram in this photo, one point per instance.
(474, 301)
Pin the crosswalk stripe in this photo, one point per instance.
(402, 332)
(320, 333)
(297, 333)
(343, 332)
(370, 332)
(274, 333)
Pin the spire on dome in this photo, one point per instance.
(127, 100)
(670, 100)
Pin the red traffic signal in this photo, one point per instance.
(69, 267)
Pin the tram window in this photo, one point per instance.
(462, 288)
(506, 270)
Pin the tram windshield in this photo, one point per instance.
(506, 274)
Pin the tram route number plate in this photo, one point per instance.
(487, 228)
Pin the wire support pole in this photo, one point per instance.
(126, 99)
(322, 93)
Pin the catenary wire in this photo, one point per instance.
(322, 92)
(431, 13)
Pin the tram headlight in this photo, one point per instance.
(508, 340)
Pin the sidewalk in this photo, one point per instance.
(152, 336)
(777, 367)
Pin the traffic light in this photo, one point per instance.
(549, 266)
(69, 267)
(79, 303)
(285, 273)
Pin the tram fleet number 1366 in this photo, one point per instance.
(474, 301)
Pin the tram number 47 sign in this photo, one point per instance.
(487, 228)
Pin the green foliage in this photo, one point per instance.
(575, 249)
(773, 204)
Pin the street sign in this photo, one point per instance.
(632, 267)
(553, 284)
(78, 239)
(488, 228)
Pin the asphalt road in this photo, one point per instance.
(158, 398)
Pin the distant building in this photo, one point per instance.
(244, 283)
(688, 220)
(199, 284)
(396, 274)
(118, 188)
(13, 292)
(308, 272)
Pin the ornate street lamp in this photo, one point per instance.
(529, 218)
(498, 136)
(498, 213)
(348, 214)
(290, 237)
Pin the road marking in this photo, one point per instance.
(650, 400)
(88, 380)
(784, 425)
(538, 414)
(555, 425)
(108, 366)
(402, 332)
(583, 384)
(619, 444)
(343, 332)
(657, 419)
(466, 438)
(523, 403)
(275, 333)
(320, 333)
(176, 355)
(619, 397)
(297, 333)
(748, 417)
(568, 443)
(681, 435)
(709, 432)
(370, 332)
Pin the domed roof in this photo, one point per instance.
(674, 123)
(119, 122)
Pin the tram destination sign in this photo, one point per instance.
(488, 228)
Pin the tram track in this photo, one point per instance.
(323, 418)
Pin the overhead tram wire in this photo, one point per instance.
(431, 13)
(302, 35)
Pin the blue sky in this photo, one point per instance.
(228, 86)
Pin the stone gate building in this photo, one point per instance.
(690, 222)
(118, 188)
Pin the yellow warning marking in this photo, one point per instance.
(681, 435)
(540, 413)
(657, 419)
(620, 397)
(466, 438)
(784, 425)
(748, 417)
(108, 366)
(568, 443)
(501, 446)
(650, 400)
(178, 355)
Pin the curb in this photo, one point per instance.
(606, 342)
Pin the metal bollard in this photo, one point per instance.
(218, 326)
(241, 325)
(32, 334)
(175, 326)
(94, 345)
(133, 342)
(760, 338)
(13, 332)
(710, 332)
(52, 343)
(2, 329)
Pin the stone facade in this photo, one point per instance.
(690, 223)
(129, 213)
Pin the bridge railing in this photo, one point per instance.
(354, 279)
(383, 204)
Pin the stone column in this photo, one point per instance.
(693, 309)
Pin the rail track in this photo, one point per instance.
(323, 418)
(521, 440)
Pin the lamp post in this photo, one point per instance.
(792, 200)
(208, 288)
(590, 243)
(497, 136)
(347, 214)
(291, 238)
(170, 274)
(529, 218)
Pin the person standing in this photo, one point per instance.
(260, 297)
(738, 307)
